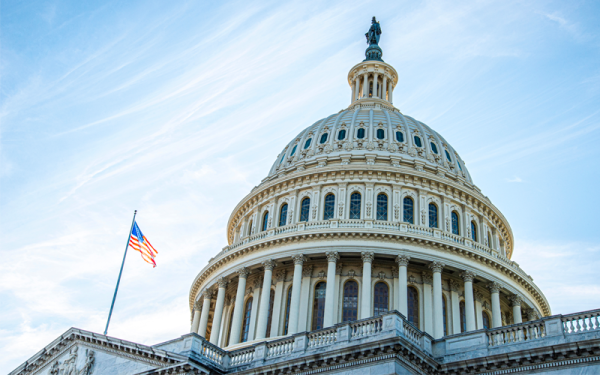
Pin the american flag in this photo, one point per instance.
(140, 243)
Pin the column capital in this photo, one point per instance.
(437, 267)
(280, 275)
(515, 300)
(332, 256)
(468, 276)
(298, 259)
(454, 285)
(367, 256)
(222, 282)
(207, 293)
(494, 287)
(427, 278)
(402, 260)
(243, 272)
(307, 271)
(268, 264)
(198, 306)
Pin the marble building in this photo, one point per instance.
(367, 248)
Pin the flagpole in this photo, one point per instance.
(120, 272)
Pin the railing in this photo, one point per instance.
(280, 347)
(322, 337)
(317, 225)
(420, 230)
(516, 333)
(366, 328)
(212, 352)
(352, 224)
(241, 357)
(581, 322)
(412, 333)
(286, 229)
(386, 225)
(453, 238)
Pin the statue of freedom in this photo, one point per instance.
(373, 33)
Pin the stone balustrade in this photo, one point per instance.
(581, 322)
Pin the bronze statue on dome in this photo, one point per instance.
(373, 33)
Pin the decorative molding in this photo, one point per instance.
(332, 256)
(243, 273)
(402, 260)
(468, 276)
(454, 285)
(437, 267)
(280, 275)
(427, 278)
(298, 259)
(515, 300)
(367, 256)
(268, 264)
(307, 271)
(494, 287)
(222, 282)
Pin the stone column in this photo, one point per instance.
(375, 77)
(478, 309)
(295, 299)
(468, 277)
(454, 285)
(515, 300)
(196, 318)
(263, 310)
(395, 292)
(332, 258)
(390, 91)
(384, 87)
(216, 326)
(366, 85)
(353, 91)
(402, 261)
(238, 308)
(365, 305)
(494, 288)
(207, 295)
(438, 305)
(427, 302)
(305, 303)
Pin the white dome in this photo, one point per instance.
(388, 136)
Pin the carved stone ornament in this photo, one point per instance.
(338, 269)
(351, 274)
(402, 260)
(494, 287)
(478, 296)
(222, 283)
(268, 264)
(198, 306)
(531, 314)
(243, 272)
(332, 256)
(381, 275)
(427, 278)
(280, 275)
(248, 291)
(397, 211)
(454, 285)
(437, 267)
(367, 256)
(504, 318)
(208, 294)
(423, 217)
(468, 276)
(307, 271)
(322, 275)
(348, 146)
(298, 259)
(411, 279)
(369, 206)
(69, 365)
(515, 300)
(394, 272)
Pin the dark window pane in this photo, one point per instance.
(360, 134)
(380, 133)
(270, 318)
(319, 305)
(381, 299)
(474, 231)
(382, 207)
(324, 138)
(448, 156)
(246, 322)
(265, 221)
(288, 302)
(455, 223)
(304, 209)
(307, 143)
(459, 167)
(463, 319)
(408, 210)
(433, 148)
(399, 136)
(341, 135)
(418, 141)
(293, 150)
(355, 206)
(329, 208)
(445, 315)
(283, 215)
(486, 320)
(350, 303)
(433, 216)
(413, 306)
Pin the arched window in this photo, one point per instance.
(270, 317)
(265, 222)
(408, 210)
(360, 134)
(433, 147)
(342, 135)
(304, 209)
(329, 209)
(380, 133)
(381, 299)
(250, 228)
(418, 141)
(486, 320)
(382, 207)
(307, 143)
(350, 304)
(413, 306)
(355, 206)
(324, 138)
(455, 223)
(293, 150)
(473, 231)
(433, 216)
(246, 321)
(445, 314)
(463, 319)
(283, 215)
(288, 302)
(400, 136)
(448, 156)
(319, 305)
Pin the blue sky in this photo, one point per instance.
(177, 109)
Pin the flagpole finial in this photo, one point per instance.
(135, 211)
